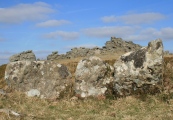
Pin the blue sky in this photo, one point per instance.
(48, 25)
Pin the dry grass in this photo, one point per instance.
(129, 108)
(2, 73)
(140, 107)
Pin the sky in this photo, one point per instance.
(59, 25)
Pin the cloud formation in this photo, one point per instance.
(141, 18)
(25, 12)
(53, 23)
(108, 31)
(152, 33)
(62, 34)
(130, 32)
(4, 56)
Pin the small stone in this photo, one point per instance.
(33, 93)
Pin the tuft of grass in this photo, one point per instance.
(2, 71)
(2, 74)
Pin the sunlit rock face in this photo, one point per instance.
(23, 56)
(139, 70)
(91, 77)
(46, 79)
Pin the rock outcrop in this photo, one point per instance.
(23, 56)
(46, 79)
(118, 44)
(91, 77)
(53, 56)
(115, 45)
(139, 70)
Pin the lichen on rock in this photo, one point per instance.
(47, 77)
(139, 70)
(91, 77)
(23, 56)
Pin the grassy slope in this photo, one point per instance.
(142, 107)
(2, 73)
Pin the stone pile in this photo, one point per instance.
(140, 70)
(23, 56)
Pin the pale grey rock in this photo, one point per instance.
(91, 77)
(23, 56)
(33, 93)
(48, 77)
(139, 70)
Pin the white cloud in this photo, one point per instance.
(135, 18)
(167, 33)
(4, 56)
(118, 31)
(62, 34)
(25, 12)
(152, 33)
(108, 19)
(130, 33)
(53, 23)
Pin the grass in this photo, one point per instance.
(127, 108)
(2, 73)
(141, 107)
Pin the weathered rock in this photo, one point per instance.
(139, 70)
(53, 56)
(48, 77)
(91, 77)
(115, 45)
(23, 56)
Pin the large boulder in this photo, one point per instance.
(46, 79)
(139, 70)
(23, 56)
(92, 76)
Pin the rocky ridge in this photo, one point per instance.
(113, 46)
